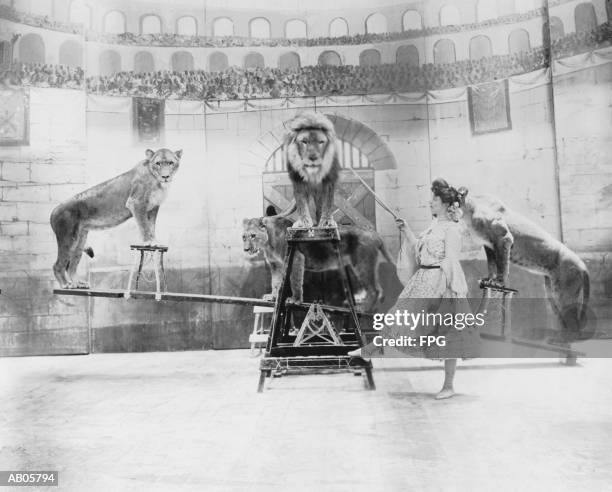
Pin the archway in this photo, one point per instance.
(330, 58)
(217, 62)
(584, 15)
(407, 55)
(368, 58)
(376, 24)
(143, 62)
(110, 62)
(518, 41)
(182, 61)
(444, 52)
(289, 61)
(32, 49)
(254, 60)
(187, 26)
(480, 47)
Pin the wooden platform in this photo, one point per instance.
(187, 297)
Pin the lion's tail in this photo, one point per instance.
(89, 251)
(288, 211)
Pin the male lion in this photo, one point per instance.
(359, 249)
(137, 193)
(509, 237)
(312, 161)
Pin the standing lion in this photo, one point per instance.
(313, 166)
(137, 193)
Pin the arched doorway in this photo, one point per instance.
(143, 62)
(181, 61)
(330, 58)
(32, 49)
(368, 58)
(110, 62)
(289, 61)
(254, 60)
(217, 62)
(407, 55)
(360, 148)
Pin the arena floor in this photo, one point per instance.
(193, 421)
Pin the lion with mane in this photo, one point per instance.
(311, 154)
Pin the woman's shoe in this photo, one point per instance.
(358, 353)
(444, 394)
(355, 353)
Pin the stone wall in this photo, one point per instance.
(33, 180)
(77, 141)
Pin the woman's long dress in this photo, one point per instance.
(438, 290)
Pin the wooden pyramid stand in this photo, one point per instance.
(317, 347)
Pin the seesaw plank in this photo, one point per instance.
(186, 297)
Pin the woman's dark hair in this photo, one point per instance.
(447, 193)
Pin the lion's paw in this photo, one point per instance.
(303, 223)
(328, 223)
(79, 284)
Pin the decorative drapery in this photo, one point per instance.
(148, 119)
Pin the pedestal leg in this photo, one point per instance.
(137, 264)
(157, 282)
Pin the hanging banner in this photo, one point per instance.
(489, 107)
(14, 116)
(148, 119)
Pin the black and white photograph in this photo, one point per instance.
(290, 245)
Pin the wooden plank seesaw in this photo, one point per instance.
(188, 297)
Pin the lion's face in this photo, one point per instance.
(311, 153)
(164, 163)
(254, 236)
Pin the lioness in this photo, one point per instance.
(509, 237)
(137, 193)
(358, 247)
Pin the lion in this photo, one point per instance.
(311, 154)
(509, 237)
(137, 193)
(359, 248)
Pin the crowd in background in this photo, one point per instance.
(239, 83)
(168, 39)
(44, 21)
(580, 42)
(41, 75)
